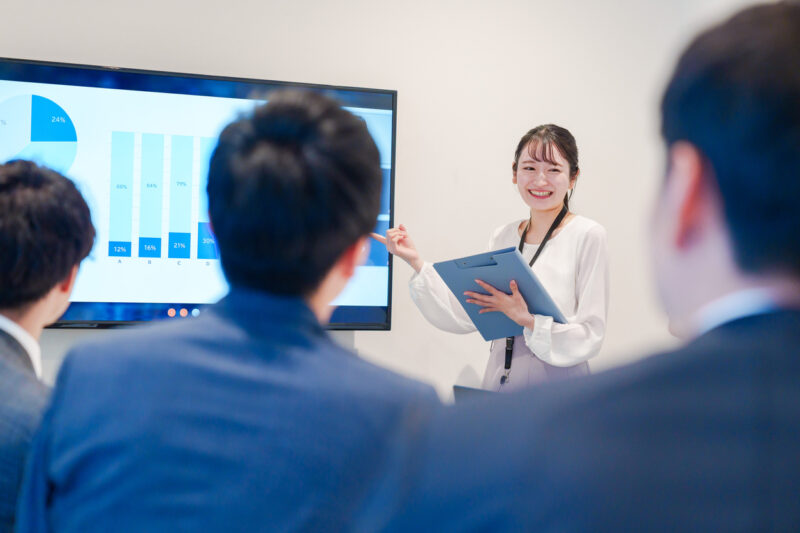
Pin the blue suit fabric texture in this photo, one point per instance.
(22, 399)
(248, 418)
(704, 438)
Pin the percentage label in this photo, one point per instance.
(119, 249)
(181, 245)
(150, 247)
(58, 120)
(121, 186)
(207, 240)
(151, 186)
(181, 184)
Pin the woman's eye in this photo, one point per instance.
(554, 170)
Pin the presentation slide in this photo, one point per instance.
(141, 159)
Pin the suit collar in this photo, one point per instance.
(255, 308)
(22, 345)
(779, 317)
(734, 306)
(13, 352)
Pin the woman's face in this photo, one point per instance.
(542, 184)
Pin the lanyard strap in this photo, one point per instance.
(553, 226)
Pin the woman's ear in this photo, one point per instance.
(574, 179)
(514, 172)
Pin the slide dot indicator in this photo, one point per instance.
(184, 313)
(195, 312)
(171, 312)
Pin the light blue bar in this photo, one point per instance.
(121, 216)
(180, 189)
(207, 145)
(152, 191)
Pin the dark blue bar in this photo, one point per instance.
(179, 245)
(119, 249)
(149, 247)
(206, 242)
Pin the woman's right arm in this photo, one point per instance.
(428, 291)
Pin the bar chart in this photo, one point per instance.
(157, 197)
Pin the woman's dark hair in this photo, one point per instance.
(540, 142)
(45, 230)
(291, 186)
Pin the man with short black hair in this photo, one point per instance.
(45, 232)
(704, 438)
(248, 418)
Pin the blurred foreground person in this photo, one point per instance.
(704, 438)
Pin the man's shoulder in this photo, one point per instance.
(150, 341)
(350, 372)
(24, 400)
(213, 342)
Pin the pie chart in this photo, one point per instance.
(36, 128)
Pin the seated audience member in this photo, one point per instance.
(250, 417)
(45, 232)
(703, 438)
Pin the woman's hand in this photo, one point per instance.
(512, 305)
(400, 244)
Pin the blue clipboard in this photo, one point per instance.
(497, 268)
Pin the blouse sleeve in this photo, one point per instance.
(569, 344)
(436, 302)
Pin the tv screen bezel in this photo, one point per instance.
(37, 68)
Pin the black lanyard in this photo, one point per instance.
(553, 226)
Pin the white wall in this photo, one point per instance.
(472, 77)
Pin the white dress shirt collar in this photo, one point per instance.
(26, 340)
(733, 306)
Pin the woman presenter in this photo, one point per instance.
(567, 252)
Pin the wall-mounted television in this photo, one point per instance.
(137, 143)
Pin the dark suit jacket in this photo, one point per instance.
(22, 400)
(706, 438)
(249, 418)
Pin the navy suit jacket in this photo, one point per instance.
(22, 400)
(248, 418)
(705, 438)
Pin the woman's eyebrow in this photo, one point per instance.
(529, 160)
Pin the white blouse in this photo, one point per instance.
(573, 267)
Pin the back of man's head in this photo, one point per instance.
(290, 188)
(735, 95)
(45, 231)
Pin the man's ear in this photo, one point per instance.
(688, 192)
(354, 256)
(67, 284)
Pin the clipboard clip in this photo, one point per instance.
(475, 262)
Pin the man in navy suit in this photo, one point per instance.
(38, 266)
(704, 438)
(248, 418)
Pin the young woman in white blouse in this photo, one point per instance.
(572, 266)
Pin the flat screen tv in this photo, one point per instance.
(137, 143)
